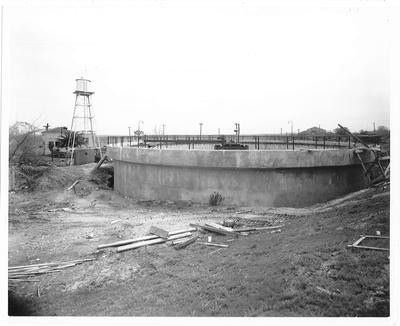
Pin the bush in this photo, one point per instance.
(215, 199)
(24, 144)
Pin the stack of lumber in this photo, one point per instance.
(16, 273)
(220, 229)
(182, 243)
(149, 239)
(216, 228)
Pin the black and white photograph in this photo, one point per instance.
(199, 159)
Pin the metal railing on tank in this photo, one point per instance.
(253, 142)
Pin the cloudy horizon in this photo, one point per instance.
(180, 64)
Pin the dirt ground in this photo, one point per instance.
(304, 270)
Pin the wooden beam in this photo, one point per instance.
(219, 226)
(151, 242)
(148, 237)
(366, 247)
(375, 236)
(258, 228)
(217, 230)
(185, 243)
(353, 136)
(213, 244)
(358, 241)
(70, 187)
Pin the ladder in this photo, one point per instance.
(374, 167)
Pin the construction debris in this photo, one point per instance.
(228, 223)
(216, 228)
(73, 185)
(151, 242)
(159, 232)
(357, 243)
(145, 238)
(19, 272)
(258, 228)
(213, 244)
(184, 243)
(105, 159)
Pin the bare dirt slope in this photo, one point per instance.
(306, 270)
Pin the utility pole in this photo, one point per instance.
(291, 128)
(237, 130)
(374, 127)
(201, 127)
(163, 129)
(138, 132)
(130, 142)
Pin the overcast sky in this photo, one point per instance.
(181, 63)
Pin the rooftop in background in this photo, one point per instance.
(56, 129)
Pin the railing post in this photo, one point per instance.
(324, 141)
(293, 142)
(316, 142)
(287, 142)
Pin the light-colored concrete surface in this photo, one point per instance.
(260, 178)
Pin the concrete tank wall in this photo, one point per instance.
(261, 178)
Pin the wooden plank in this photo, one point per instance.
(258, 228)
(213, 244)
(70, 187)
(101, 161)
(217, 230)
(185, 243)
(219, 226)
(159, 232)
(147, 237)
(50, 264)
(195, 225)
(375, 236)
(358, 241)
(366, 247)
(151, 242)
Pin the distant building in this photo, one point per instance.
(51, 136)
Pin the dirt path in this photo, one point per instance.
(306, 270)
